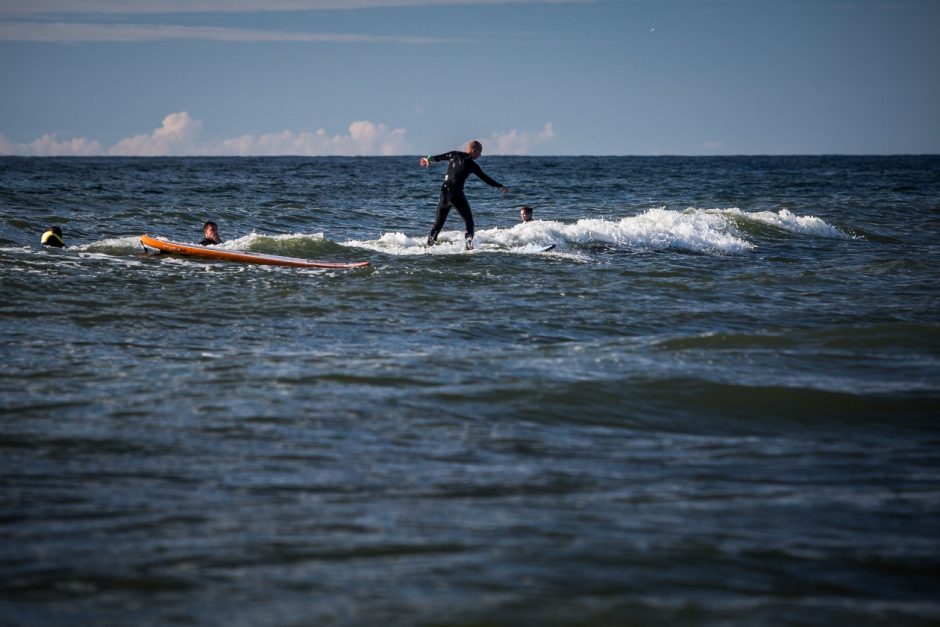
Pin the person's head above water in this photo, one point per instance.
(210, 233)
(474, 149)
(525, 213)
(53, 237)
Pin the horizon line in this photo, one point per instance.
(505, 155)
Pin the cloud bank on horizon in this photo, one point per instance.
(180, 135)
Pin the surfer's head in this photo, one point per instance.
(210, 230)
(474, 149)
(53, 237)
(525, 212)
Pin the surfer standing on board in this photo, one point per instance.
(460, 166)
(210, 234)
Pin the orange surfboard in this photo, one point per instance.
(210, 252)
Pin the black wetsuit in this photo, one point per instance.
(51, 238)
(461, 166)
(209, 242)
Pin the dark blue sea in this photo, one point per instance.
(716, 401)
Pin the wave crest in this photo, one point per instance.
(704, 231)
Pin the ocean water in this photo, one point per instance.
(714, 402)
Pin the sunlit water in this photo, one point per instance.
(714, 401)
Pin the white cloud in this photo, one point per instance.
(519, 142)
(176, 136)
(181, 135)
(73, 32)
(363, 138)
(50, 146)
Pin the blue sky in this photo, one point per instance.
(373, 77)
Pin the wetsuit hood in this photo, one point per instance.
(51, 238)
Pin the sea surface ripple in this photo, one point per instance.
(713, 402)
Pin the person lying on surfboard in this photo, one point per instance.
(460, 166)
(210, 234)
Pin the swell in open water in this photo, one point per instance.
(713, 402)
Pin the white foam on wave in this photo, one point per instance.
(111, 244)
(529, 238)
(705, 231)
(664, 229)
(245, 241)
(132, 243)
(655, 229)
(16, 249)
(119, 250)
(787, 221)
